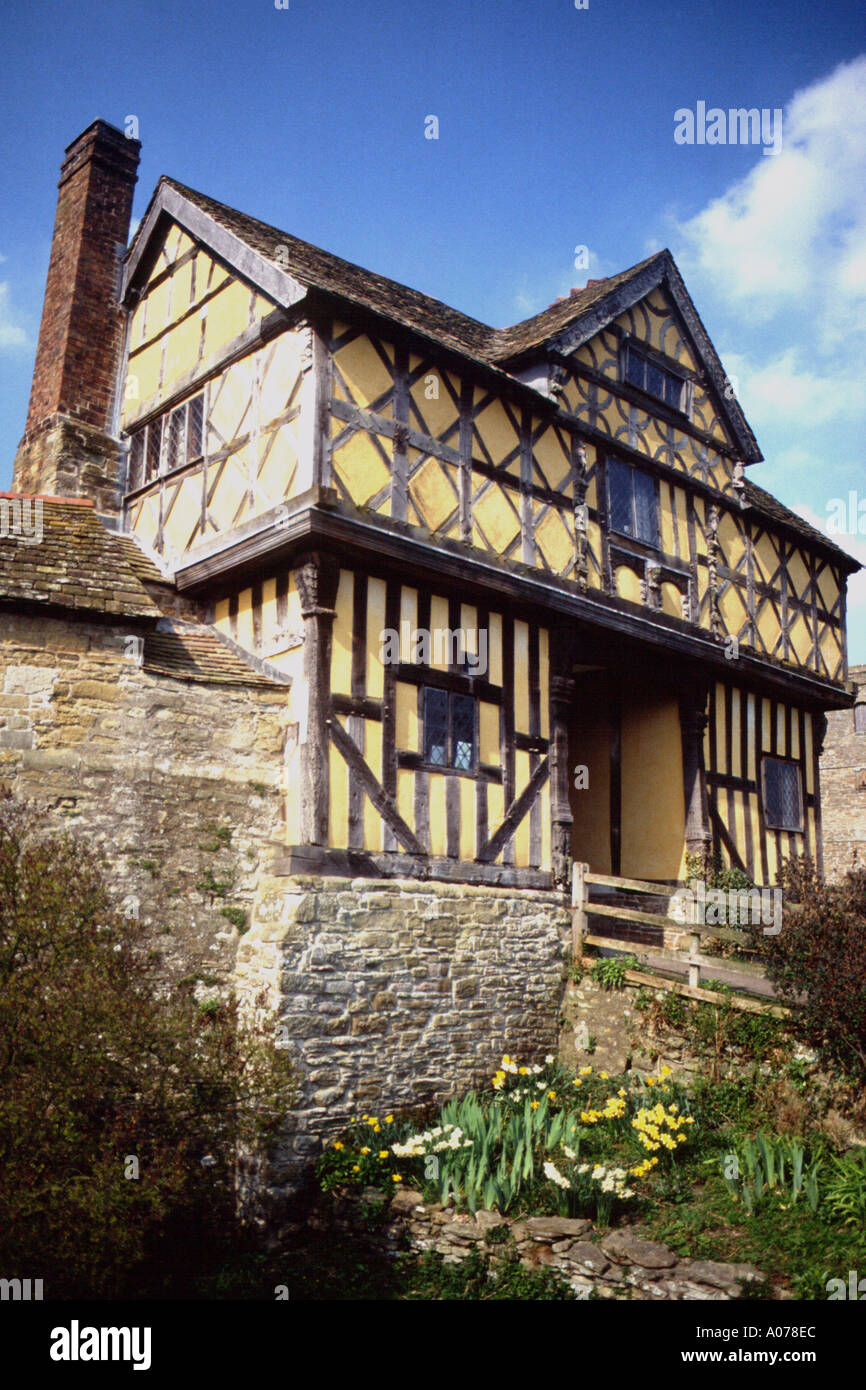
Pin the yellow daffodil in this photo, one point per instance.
(338, 1145)
(396, 1177)
(365, 1150)
(533, 1105)
(383, 1153)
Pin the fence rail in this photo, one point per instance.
(749, 977)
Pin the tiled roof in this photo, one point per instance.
(75, 564)
(314, 267)
(777, 511)
(191, 654)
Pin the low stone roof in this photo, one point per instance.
(63, 556)
(198, 654)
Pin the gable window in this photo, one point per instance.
(632, 507)
(167, 443)
(642, 371)
(449, 729)
(783, 798)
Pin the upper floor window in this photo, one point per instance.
(449, 729)
(860, 718)
(168, 442)
(783, 798)
(644, 372)
(632, 506)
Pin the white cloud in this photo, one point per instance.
(794, 229)
(12, 335)
(788, 393)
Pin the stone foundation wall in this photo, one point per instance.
(177, 784)
(843, 789)
(391, 993)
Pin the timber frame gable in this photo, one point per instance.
(371, 461)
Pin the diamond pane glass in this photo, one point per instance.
(655, 380)
(634, 367)
(175, 452)
(194, 427)
(136, 459)
(154, 432)
(436, 727)
(674, 391)
(463, 717)
(646, 528)
(619, 497)
(782, 795)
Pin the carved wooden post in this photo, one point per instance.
(693, 722)
(561, 701)
(316, 577)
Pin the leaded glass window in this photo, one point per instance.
(449, 730)
(783, 803)
(656, 380)
(631, 499)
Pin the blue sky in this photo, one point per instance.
(556, 129)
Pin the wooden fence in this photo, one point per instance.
(741, 975)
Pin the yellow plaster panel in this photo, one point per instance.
(361, 468)
(494, 649)
(406, 718)
(498, 435)
(497, 519)
(521, 677)
(365, 374)
(439, 623)
(341, 648)
(181, 349)
(489, 746)
(543, 681)
(373, 824)
(672, 602)
(554, 539)
(338, 818)
(438, 411)
(521, 834)
(495, 809)
(375, 629)
(438, 823)
(406, 795)
(228, 315)
(431, 492)
(628, 584)
(467, 818)
(548, 452)
(408, 622)
(827, 588)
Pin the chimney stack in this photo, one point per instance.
(67, 449)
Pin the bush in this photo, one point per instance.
(122, 1108)
(817, 963)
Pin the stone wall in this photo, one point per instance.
(177, 783)
(843, 788)
(391, 993)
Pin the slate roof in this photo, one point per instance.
(187, 653)
(77, 564)
(771, 507)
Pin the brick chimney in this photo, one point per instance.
(68, 449)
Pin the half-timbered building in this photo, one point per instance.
(533, 607)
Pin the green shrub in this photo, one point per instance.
(112, 1095)
(817, 963)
